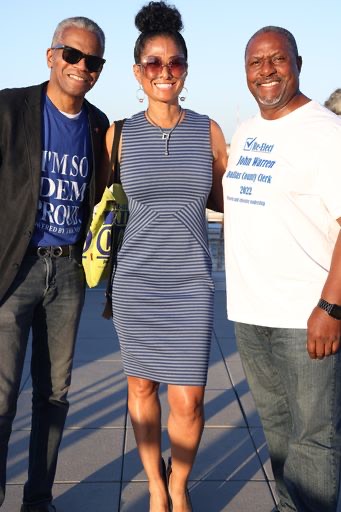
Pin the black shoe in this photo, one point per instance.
(46, 507)
(165, 479)
(168, 474)
(163, 471)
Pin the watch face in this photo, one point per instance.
(335, 312)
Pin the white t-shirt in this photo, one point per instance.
(282, 196)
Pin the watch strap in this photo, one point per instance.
(334, 310)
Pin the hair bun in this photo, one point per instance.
(158, 17)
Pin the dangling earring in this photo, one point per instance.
(140, 95)
(183, 93)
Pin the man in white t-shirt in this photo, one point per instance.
(282, 201)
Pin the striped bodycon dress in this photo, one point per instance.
(163, 289)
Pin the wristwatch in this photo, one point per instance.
(332, 309)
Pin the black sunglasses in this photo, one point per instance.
(153, 66)
(71, 55)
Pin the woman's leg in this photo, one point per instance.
(145, 413)
(185, 426)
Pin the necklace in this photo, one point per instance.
(165, 135)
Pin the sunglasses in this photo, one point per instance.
(93, 63)
(153, 67)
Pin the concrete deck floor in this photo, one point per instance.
(99, 468)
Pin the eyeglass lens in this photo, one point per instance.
(73, 56)
(154, 66)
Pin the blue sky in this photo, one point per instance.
(216, 32)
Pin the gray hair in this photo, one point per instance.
(79, 22)
(334, 102)
(279, 30)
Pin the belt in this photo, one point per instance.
(55, 251)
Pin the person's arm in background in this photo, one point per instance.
(219, 150)
(103, 172)
(106, 174)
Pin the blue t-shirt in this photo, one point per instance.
(65, 176)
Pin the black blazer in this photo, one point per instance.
(21, 119)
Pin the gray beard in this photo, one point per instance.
(269, 101)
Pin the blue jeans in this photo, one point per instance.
(299, 402)
(47, 296)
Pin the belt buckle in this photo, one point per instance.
(50, 251)
(43, 251)
(56, 251)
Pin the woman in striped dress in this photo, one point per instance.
(171, 160)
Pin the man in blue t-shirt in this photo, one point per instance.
(51, 175)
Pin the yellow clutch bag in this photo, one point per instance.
(105, 234)
(110, 217)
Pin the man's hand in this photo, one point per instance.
(324, 334)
